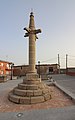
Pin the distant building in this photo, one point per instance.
(5, 68)
(71, 71)
(48, 68)
(62, 71)
(42, 68)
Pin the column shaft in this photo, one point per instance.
(32, 53)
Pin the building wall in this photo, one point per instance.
(48, 68)
(43, 69)
(4, 68)
(20, 70)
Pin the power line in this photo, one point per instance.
(72, 59)
(49, 59)
(62, 58)
(72, 55)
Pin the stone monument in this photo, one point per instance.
(31, 90)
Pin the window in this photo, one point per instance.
(7, 72)
(8, 66)
(50, 69)
(2, 64)
(2, 72)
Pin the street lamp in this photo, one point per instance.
(39, 68)
(12, 70)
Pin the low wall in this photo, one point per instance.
(3, 79)
(71, 73)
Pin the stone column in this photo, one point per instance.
(31, 90)
(32, 53)
(31, 33)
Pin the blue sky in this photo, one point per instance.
(56, 18)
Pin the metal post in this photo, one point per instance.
(59, 63)
(12, 70)
(66, 63)
(39, 68)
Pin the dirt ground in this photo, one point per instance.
(58, 100)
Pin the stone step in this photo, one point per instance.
(27, 93)
(13, 98)
(28, 100)
(27, 87)
(19, 92)
(31, 81)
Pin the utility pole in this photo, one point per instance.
(66, 62)
(59, 62)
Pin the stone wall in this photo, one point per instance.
(42, 69)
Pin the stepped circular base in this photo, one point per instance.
(30, 91)
(28, 100)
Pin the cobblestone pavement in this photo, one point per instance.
(48, 113)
